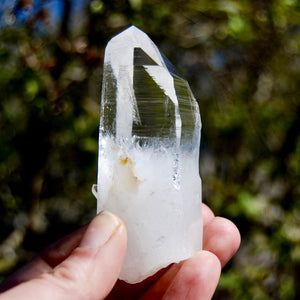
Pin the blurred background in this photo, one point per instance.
(242, 61)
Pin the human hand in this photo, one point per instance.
(87, 263)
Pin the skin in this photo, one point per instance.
(86, 265)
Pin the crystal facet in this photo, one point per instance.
(148, 155)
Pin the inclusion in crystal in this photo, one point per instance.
(148, 170)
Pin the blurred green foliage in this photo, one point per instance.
(242, 59)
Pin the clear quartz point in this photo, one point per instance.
(148, 170)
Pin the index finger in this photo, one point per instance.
(207, 214)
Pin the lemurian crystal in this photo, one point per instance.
(148, 155)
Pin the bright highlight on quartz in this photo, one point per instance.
(148, 155)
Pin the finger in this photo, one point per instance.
(207, 214)
(89, 272)
(60, 250)
(46, 260)
(158, 288)
(124, 290)
(196, 278)
(221, 237)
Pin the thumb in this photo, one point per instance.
(90, 271)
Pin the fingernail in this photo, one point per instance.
(100, 230)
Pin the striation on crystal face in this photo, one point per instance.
(148, 155)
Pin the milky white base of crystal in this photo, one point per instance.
(164, 224)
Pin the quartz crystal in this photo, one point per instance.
(148, 170)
